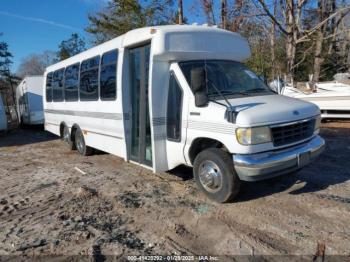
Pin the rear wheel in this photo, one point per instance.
(67, 138)
(215, 175)
(82, 148)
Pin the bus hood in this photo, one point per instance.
(271, 109)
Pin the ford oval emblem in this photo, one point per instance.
(296, 113)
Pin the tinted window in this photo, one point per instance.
(174, 110)
(108, 87)
(49, 87)
(89, 79)
(71, 82)
(57, 85)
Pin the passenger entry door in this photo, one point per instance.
(176, 117)
(141, 141)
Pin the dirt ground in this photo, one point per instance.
(48, 206)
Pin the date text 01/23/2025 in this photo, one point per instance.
(173, 258)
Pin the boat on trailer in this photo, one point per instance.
(333, 98)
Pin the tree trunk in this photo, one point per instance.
(318, 60)
(180, 12)
(273, 55)
(273, 42)
(322, 13)
(224, 14)
(333, 27)
(207, 6)
(238, 17)
(290, 44)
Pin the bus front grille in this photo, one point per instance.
(291, 133)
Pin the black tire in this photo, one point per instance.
(82, 148)
(66, 137)
(220, 164)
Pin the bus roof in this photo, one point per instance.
(174, 42)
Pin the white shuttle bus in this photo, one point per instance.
(29, 99)
(166, 96)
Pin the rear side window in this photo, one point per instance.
(174, 110)
(57, 86)
(49, 87)
(108, 73)
(71, 82)
(88, 89)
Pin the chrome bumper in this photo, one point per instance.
(261, 166)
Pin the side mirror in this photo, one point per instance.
(197, 79)
(201, 98)
(198, 85)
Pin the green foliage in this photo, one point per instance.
(5, 60)
(72, 46)
(261, 54)
(121, 16)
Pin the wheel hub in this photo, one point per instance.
(80, 143)
(66, 135)
(210, 176)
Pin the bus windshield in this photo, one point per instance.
(229, 77)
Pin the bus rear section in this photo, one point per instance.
(29, 99)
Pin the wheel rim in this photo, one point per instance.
(80, 143)
(210, 176)
(66, 134)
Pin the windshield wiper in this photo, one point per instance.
(223, 92)
(256, 90)
(231, 113)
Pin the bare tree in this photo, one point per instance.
(208, 8)
(180, 12)
(35, 64)
(224, 14)
(292, 29)
(320, 32)
(237, 15)
(273, 42)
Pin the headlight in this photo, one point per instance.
(318, 123)
(253, 135)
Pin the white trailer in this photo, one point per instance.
(3, 118)
(177, 95)
(30, 101)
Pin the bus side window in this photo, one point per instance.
(57, 86)
(108, 85)
(88, 88)
(71, 82)
(174, 110)
(49, 87)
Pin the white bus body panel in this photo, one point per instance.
(106, 125)
(102, 122)
(29, 100)
(3, 118)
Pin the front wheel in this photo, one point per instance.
(215, 176)
(82, 148)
